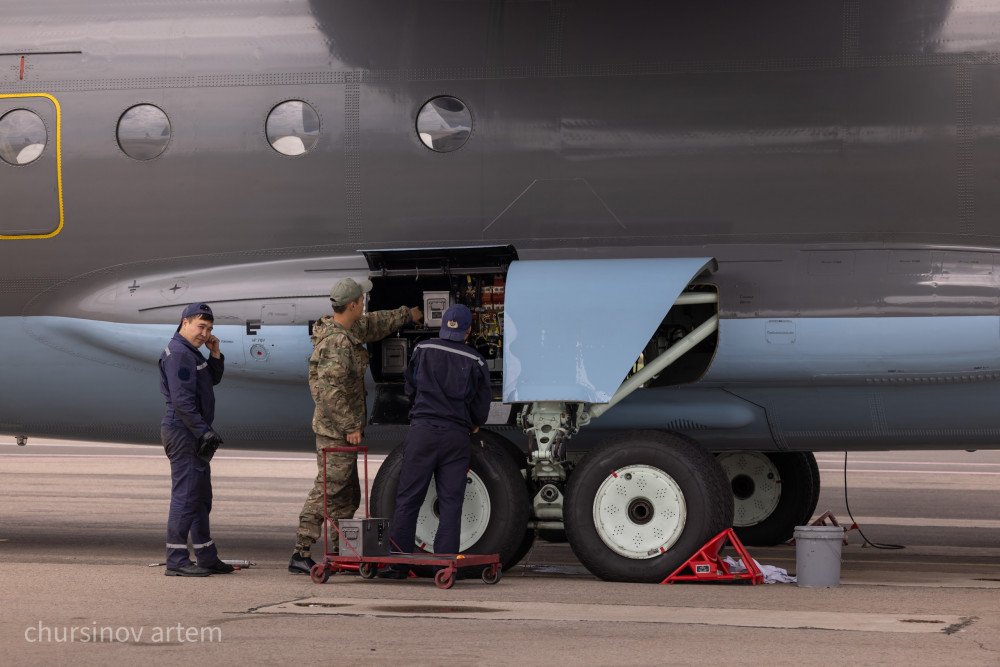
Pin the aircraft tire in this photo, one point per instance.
(810, 508)
(519, 457)
(643, 502)
(772, 492)
(494, 474)
(521, 461)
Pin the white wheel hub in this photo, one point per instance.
(475, 514)
(756, 486)
(639, 511)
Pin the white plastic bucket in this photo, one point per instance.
(817, 555)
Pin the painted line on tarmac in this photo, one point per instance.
(80, 443)
(20, 453)
(854, 461)
(928, 522)
(858, 471)
(311, 459)
(551, 611)
(963, 574)
(82, 456)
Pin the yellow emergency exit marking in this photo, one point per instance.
(59, 185)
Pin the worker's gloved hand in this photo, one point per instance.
(208, 444)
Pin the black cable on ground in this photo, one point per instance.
(855, 523)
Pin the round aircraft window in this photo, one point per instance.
(293, 127)
(143, 131)
(22, 137)
(444, 124)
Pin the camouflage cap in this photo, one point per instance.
(348, 290)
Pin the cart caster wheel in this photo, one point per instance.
(492, 574)
(319, 573)
(368, 570)
(444, 579)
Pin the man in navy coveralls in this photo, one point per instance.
(186, 381)
(449, 384)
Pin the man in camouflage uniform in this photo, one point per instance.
(337, 382)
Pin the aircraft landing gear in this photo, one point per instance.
(521, 461)
(773, 493)
(495, 512)
(21, 440)
(638, 505)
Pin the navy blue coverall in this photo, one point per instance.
(186, 381)
(449, 384)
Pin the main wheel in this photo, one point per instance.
(494, 512)
(772, 492)
(810, 508)
(368, 570)
(641, 503)
(521, 460)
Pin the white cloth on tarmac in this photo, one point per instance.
(772, 574)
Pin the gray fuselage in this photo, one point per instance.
(839, 160)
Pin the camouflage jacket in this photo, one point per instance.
(337, 369)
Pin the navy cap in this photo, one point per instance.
(196, 309)
(456, 322)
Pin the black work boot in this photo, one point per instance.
(189, 570)
(220, 568)
(300, 564)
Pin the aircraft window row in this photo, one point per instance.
(143, 132)
(22, 137)
(444, 124)
(292, 127)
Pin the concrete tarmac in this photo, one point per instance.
(81, 524)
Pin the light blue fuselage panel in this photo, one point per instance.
(574, 328)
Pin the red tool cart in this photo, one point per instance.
(367, 563)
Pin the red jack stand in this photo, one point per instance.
(706, 565)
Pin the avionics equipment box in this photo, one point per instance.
(435, 303)
(367, 537)
(394, 355)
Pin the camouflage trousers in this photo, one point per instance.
(343, 495)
